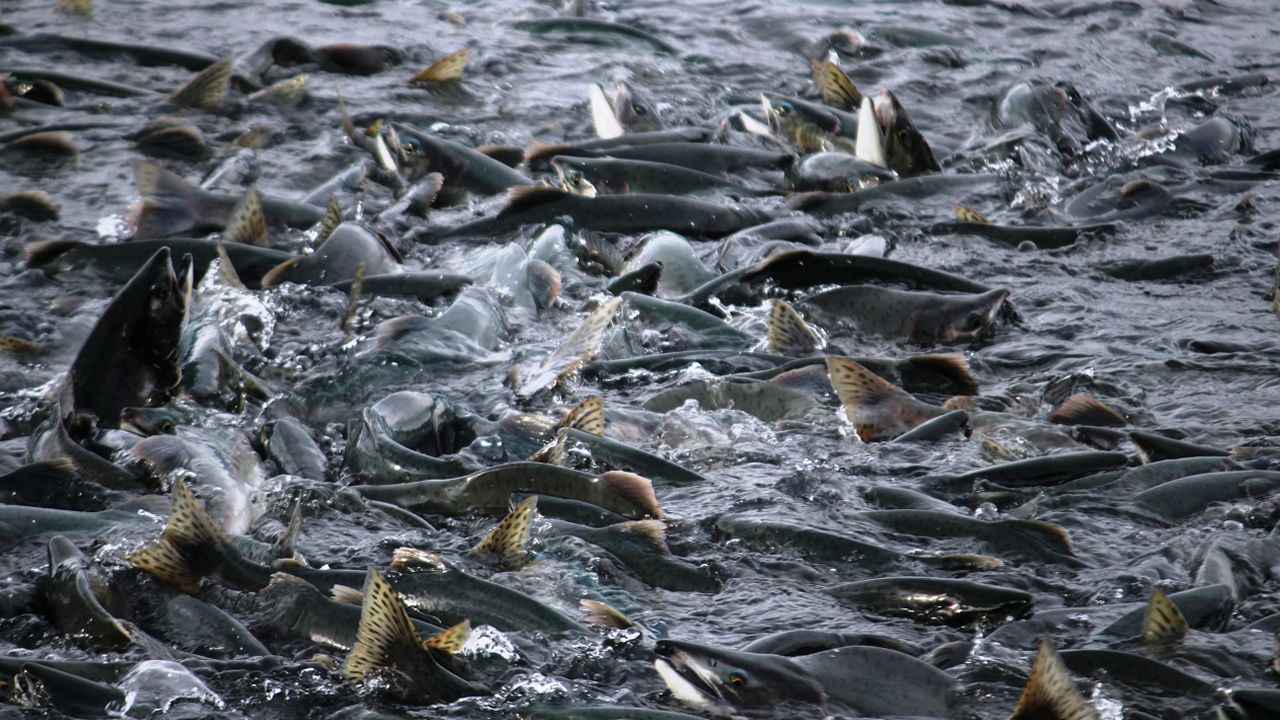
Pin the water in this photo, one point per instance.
(1138, 345)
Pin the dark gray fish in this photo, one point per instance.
(864, 680)
(1057, 111)
(919, 317)
(136, 339)
(460, 166)
(616, 176)
(172, 206)
(937, 600)
(350, 246)
(609, 213)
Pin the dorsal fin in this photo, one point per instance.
(524, 197)
(538, 150)
(508, 155)
(869, 143)
(969, 215)
(1050, 693)
(32, 204)
(600, 614)
(451, 639)
(285, 93)
(1164, 624)
(346, 595)
(511, 536)
(952, 366)
(248, 224)
(43, 252)
(276, 274)
(587, 416)
(577, 350)
(860, 390)
(836, 87)
(169, 203)
(329, 222)
(407, 560)
(385, 630)
(447, 68)
(789, 334)
(208, 90)
(651, 531)
(1081, 409)
(636, 489)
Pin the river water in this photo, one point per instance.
(1193, 355)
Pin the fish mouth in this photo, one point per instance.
(688, 680)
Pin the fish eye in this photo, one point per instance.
(974, 320)
(638, 109)
(161, 292)
(737, 679)
(166, 427)
(902, 133)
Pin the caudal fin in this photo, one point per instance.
(170, 205)
(208, 90)
(588, 416)
(1164, 625)
(509, 540)
(577, 350)
(834, 84)
(248, 223)
(1050, 693)
(385, 630)
(789, 334)
(862, 394)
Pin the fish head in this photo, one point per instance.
(959, 318)
(778, 112)
(723, 681)
(150, 421)
(573, 176)
(634, 110)
(422, 154)
(905, 149)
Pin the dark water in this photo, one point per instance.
(1142, 346)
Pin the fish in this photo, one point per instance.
(459, 166)
(641, 546)
(617, 176)
(827, 546)
(624, 493)
(918, 317)
(937, 600)
(351, 245)
(578, 349)
(868, 681)
(609, 213)
(137, 337)
(172, 206)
